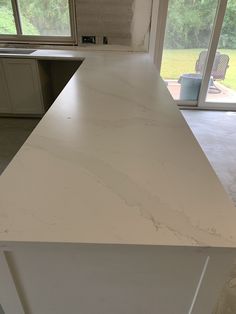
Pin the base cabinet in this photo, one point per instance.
(99, 279)
(22, 87)
(30, 86)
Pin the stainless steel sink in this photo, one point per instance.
(16, 51)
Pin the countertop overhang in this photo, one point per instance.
(114, 162)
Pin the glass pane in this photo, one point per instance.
(188, 31)
(222, 86)
(45, 17)
(7, 22)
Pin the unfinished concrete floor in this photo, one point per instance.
(214, 130)
(13, 133)
(216, 134)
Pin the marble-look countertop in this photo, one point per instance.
(113, 161)
(44, 54)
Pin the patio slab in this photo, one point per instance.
(223, 95)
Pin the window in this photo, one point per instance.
(7, 23)
(37, 20)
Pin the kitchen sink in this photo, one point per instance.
(16, 51)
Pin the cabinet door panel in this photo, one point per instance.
(23, 85)
(108, 279)
(5, 106)
(9, 299)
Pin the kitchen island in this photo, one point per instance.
(111, 206)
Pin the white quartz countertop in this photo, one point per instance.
(113, 161)
(43, 54)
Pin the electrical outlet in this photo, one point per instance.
(88, 39)
(105, 40)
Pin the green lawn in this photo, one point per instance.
(178, 61)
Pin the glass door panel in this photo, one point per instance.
(222, 86)
(188, 31)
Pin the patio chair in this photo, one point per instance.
(220, 66)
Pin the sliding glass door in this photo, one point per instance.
(198, 60)
(222, 82)
(188, 31)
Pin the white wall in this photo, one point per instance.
(140, 27)
(100, 18)
(123, 22)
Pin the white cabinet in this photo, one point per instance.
(107, 279)
(90, 279)
(5, 106)
(23, 86)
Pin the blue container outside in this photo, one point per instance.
(190, 86)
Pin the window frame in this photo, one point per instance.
(38, 39)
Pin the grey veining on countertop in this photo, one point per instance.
(113, 161)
